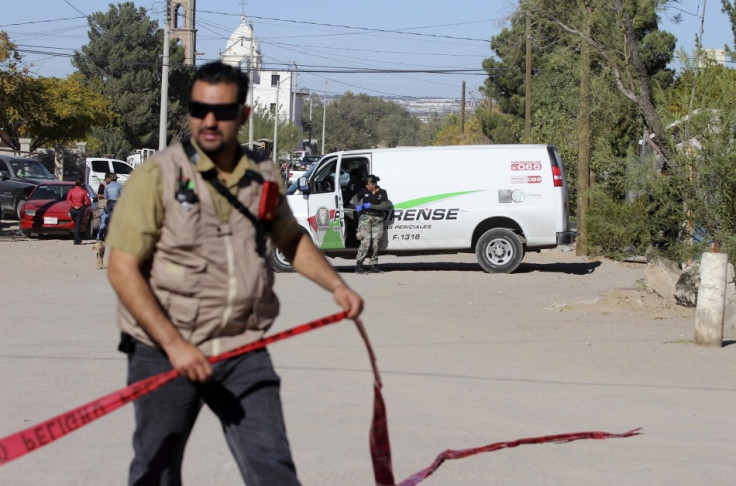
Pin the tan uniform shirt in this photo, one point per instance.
(139, 213)
(217, 295)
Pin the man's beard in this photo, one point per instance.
(220, 148)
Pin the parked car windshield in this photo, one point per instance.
(30, 168)
(54, 192)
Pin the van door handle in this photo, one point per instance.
(337, 203)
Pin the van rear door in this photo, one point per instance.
(561, 199)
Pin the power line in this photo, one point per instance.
(75, 8)
(367, 29)
(41, 21)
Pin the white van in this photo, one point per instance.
(497, 201)
(97, 166)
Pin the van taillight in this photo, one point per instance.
(556, 176)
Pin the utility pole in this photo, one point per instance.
(528, 83)
(462, 111)
(251, 74)
(292, 118)
(164, 113)
(698, 54)
(276, 126)
(581, 247)
(324, 118)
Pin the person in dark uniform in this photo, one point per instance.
(371, 203)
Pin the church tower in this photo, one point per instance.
(243, 51)
(181, 26)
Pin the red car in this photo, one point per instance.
(47, 211)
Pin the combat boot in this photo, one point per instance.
(375, 269)
(360, 268)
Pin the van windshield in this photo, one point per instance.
(30, 168)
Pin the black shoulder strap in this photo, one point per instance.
(211, 177)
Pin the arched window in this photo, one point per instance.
(179, 16)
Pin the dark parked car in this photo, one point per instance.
(18, 177)
(47, 211)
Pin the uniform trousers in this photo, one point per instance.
(243, 393)
(370, 232)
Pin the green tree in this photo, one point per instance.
(362, 121)
(51, 111)
(71, 109)
(628, 42)
(729, 8)
(17, 89)
(123, 61)
(263, 128)
(452, 133)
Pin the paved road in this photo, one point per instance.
(467, 359)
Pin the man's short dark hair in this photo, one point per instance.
(219, 72)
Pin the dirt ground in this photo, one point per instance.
(565, 344)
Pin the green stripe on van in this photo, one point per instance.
(430, 199)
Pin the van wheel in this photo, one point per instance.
(499, 251)
(279, 262)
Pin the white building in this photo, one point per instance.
(717, 56)
(269, 87)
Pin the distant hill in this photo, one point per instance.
(424, 107)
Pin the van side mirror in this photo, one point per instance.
(302, 184)
(4, 175)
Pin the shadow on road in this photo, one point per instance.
(9, 232)
(418, 267)
(575, 268)
(583, 268)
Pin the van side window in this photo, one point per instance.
(120, 168)
(100, 166)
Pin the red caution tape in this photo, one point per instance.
(381, 447)
(459, 454)
(32, 438)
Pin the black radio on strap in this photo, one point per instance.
(249, 176)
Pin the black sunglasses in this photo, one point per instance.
(221, 112)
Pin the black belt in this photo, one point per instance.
(373, 213)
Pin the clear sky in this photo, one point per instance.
(333, 35)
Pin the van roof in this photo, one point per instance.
(89, 159)
(443, 147)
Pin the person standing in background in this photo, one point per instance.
(102, 204)
(371, 203)
(112, 194)
(78, 200)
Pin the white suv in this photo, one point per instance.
(97, 166)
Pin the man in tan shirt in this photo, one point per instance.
(193, 277)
